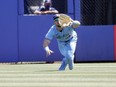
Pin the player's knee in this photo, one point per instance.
(69, 60)
(70, 56)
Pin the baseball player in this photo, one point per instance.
(64, 31)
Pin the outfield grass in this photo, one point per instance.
(47, 75)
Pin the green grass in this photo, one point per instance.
(47, 75)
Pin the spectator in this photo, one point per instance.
(46, 8)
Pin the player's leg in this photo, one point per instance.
(63, 65)
(71, 63)
(63, 52)
(70, 54)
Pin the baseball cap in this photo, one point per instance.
(55, 17)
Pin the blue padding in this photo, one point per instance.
(32, 30)
(70, 6)
(95, 43)
(8, 31)
(20, 7)
(77, 10)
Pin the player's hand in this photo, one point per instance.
(48, 51)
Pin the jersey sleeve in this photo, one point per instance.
(50, 33)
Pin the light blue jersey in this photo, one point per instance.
(65, 35)
(67, 39)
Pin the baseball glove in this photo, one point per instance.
(65, 20)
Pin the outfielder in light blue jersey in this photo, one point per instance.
(66, 38)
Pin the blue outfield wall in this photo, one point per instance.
(95, 43)
(32, 30)
(8, 31)
(21, 37)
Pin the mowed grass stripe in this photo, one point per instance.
(55, 66)
(52, 75)
(58, 73)
(58, 64)
(71, 79)
(83, 84)
(76, 71)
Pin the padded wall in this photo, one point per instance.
(8, 31)
(32, 30)
(95, 43)
(21, 37)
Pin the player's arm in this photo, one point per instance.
(75, 24)
(46, 47)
